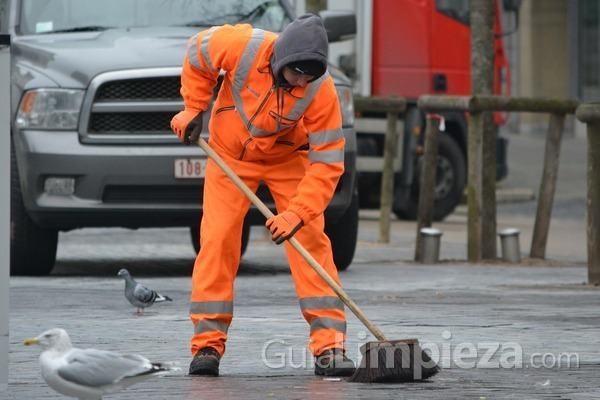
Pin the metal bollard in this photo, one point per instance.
(511, 250)
(431, 245)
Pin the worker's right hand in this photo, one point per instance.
(283, 226)
(187, 125)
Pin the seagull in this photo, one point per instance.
(139, 295)
(90, 373)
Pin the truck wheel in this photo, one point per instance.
(195, 235)
(32, 248)
(451, 178)
(343, 235)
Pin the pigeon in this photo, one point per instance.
(138, 295)
(90, 373)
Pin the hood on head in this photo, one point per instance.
(304, 39)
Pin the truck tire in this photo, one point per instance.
(195, 235)
(32, 248)
(343, 235)
(451, 178)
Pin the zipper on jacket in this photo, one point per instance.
(243, 153)
(229, 108)
(281, 142)
(285, 142)
(260, 107)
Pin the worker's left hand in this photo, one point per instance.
(187, 125)
(283, 226)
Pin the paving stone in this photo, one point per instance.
(498, 330)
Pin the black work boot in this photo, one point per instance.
(333, 362)
(205, 362)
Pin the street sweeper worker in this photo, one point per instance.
(276, 119)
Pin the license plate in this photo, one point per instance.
(189, 168)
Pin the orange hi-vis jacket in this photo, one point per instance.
(256, 119)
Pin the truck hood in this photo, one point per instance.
(72, 59)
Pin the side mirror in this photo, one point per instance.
(340, 25)
(511, 6)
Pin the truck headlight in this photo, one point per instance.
(346, 104)
(50, 109)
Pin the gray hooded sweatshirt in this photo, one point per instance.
(303, 39)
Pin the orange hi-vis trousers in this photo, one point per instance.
(224, 209)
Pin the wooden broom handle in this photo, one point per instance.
(293, 241)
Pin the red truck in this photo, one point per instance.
(410, 48)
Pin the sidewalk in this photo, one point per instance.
(498, 330)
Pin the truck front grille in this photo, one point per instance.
(132, 107)
(125, 123)
(144, 89)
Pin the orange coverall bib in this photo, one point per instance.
(214, 272)
(261, 130)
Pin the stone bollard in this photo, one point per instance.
(511, 250)
(430, 253)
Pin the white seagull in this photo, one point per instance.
(139, 295)
(90, 373)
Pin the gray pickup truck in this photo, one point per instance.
(94, 85)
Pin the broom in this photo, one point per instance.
(384, 360)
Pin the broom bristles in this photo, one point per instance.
(394, 362)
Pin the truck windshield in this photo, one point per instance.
(53, 16)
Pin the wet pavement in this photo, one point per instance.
(499, 330)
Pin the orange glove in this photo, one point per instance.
(187, 125)
(283, 226)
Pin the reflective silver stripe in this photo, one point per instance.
(211, 307)
(327, 323)
(204, 47)
(299, 107)
(193, 50)
(241, 76)
(210, 325)
(243, 70)
(254, 131)
(325, 137)
(326, 157)
(302, 104)
(321, 303)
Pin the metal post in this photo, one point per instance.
(430, 254)
(511, 250)
(5, 208)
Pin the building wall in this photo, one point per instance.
(543, 57)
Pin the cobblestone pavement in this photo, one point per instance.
(498, 330)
